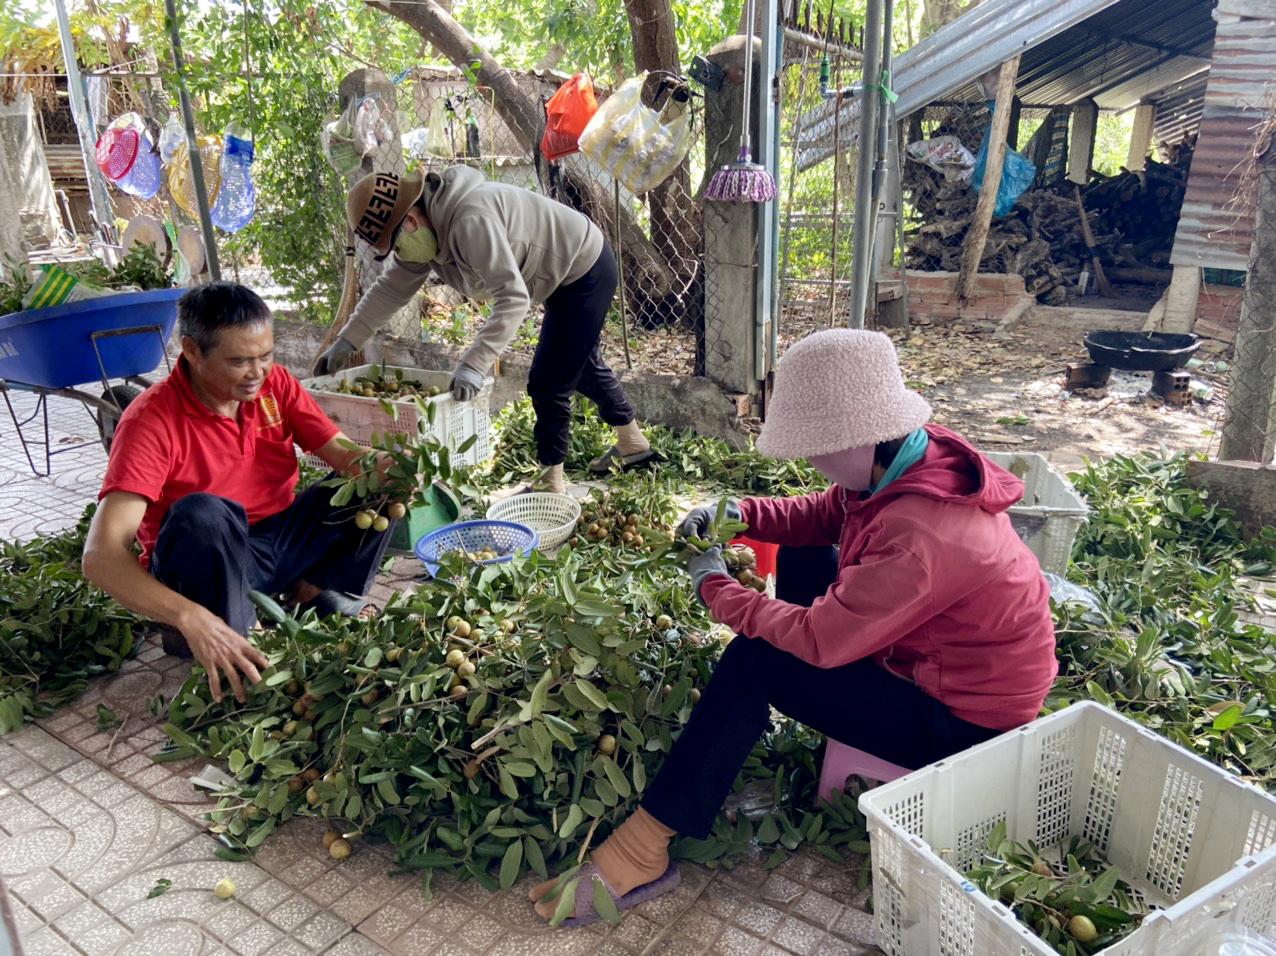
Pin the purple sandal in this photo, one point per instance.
(585, 912)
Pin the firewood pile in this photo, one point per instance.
(1132, 216)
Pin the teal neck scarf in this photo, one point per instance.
(910, 453)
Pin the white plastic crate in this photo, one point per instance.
(454, 422)
(1189, 836)
(1051, 511)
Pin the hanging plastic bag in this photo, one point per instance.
(1017, 174)
(237, 199)
(127, 156)
(171, 137)
(372, 126)
(180, 184)
(439, 140)
(944, 154)
(567, 114)
(636, 144)
(338, 141)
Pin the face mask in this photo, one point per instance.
(852, 469)
(416, 246)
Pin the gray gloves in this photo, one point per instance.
(466, 383)
(335, 358)
(698, 521)
(703, 566)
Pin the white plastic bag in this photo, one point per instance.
(636, 144)
(338, 141)
(172, 136)
(1063, 591)
(945, 154)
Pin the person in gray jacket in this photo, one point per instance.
(492, 241)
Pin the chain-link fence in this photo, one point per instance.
(432, 117)
(1249, 426)
(817, 200)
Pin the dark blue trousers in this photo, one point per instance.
(860, 704)
(207, 552)
(569, 359)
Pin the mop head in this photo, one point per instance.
(742, 181)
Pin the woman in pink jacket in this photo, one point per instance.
(910, 621)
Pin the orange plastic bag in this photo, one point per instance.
(567, 114)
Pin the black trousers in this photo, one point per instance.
(207, 552)
(568, 359)
(860, 704)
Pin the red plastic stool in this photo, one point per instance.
(765, 552)
(841, 761)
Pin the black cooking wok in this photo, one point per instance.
(1140, 351)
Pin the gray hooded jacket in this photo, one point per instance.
(496, 242)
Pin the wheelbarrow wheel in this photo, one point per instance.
(108, 418)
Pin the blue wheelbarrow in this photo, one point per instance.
(58, 350)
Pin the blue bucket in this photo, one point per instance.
(504, 537)
(53, 347)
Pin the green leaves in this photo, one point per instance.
(1170, 647)
(511, 864)
(1049, 897)
(56, 630)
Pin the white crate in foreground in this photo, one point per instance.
(360, 418)
(1051, 511)
(1188, 835)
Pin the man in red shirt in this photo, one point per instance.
(202, 475)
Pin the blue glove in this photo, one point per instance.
(701, 567)
(698, 520)
(335, 358)
(466, 383)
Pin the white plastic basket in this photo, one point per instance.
(1189, 836)
(1051, 511)
(551, 515)
(361, 418)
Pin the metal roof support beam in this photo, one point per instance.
(1149, 45)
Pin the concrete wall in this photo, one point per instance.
(1245, 487)
(672, 400)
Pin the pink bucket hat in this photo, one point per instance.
(839, 389)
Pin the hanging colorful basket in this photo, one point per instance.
(126, 156)
(180, 184)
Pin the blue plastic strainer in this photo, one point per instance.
(504, 537)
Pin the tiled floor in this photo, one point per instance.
(88, 823)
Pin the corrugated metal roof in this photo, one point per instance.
(1213, 232)
(1178, 109)
(1114, 51)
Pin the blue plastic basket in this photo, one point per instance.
(53, 347)
(504, 537)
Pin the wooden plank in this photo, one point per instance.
(973, 249)
(1105, 289)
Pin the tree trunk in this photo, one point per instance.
(651, 283)
(677, 222)
(1249, 432)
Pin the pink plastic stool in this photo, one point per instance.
(841, 761)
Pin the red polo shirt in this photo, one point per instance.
(170, 444)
